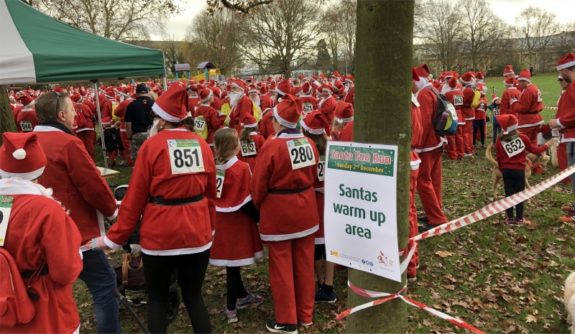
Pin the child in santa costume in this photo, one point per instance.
(43, 240)
(171, 196)
(251, 142)
(453, 93)
(343, 115)
(283, 188)
(512, 149)
(314, 126)
(236, 239)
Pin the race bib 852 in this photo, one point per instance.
(301, 153)
(513, 147)
(185, 156)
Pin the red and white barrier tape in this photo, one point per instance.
(496, 207)
(483, 213)
(385, 297)
(551, 108)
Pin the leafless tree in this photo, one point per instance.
(439, 24)
(116, 19)
(280, 37)
(217, 37)
(244, 6)
(483, 31)
(536, 27)
(338, 25)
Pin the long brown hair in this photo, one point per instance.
(226, 142)
(319, 140)
(245, 135)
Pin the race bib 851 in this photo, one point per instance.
(513, 147)
(301, 153)
(185, 156)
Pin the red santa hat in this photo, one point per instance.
(343, 112)
(328, 106)
(495, 99)
(414, 75)
(508, 71)
(25, 99)
(510, 81)
(524, 75)
(76, 97)
(452, 82)
(423, 71)
(467, 78)
(237, 83)
(206, 94)
(252, 89)
(349, 78)
(306, 88)
(284, 87)
(566, 61)
(315, 123)
(288, 111)
(172, 106)
(21, 156)
(249, 122)
(507, 122)
(326, 87)
(479, 75)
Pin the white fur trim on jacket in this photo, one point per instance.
(282, 237)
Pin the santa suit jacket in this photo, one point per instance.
(76, 182)
(510, 93)
(266, 102)
(212, 117)
(346, 133)
(350, 96)
(121, 112)
(41, 234)
(240, 111)
(168, 229)
(259, 141)
(26, 119)
(309, 103)
(528, 107)
(416, 133)
(285, 196)
(84, 118)
(427, 105)
(265, 126)
(468, 112)
(455, 96)
(566, 114)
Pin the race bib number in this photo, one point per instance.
(301, 153)
(539, 99)
(200, 127)
(458, 100)
(514, 147)
(220, 175)
(185, 156)
(248, 148)
(321, 170)
(307, 108)
(5, 209)
(26, 126)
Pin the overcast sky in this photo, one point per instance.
(508, 10)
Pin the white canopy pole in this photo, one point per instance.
(102, 140)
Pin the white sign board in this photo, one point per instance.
(361, 208)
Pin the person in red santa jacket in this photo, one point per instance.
(453, 93)
(120, 112)
(85, 124)
(316, 127)
(77, 183)
(236, 240)
(528, 107)
(170, 196)
(564, 120)
(265, 125)
(308, 100)
(468, 110)
(43, 240)
(283, 189)
(241, 105)
(207, 119)
(343, 115)
(511, 149)
(251, 142)
(509, 94)
(480, 120)
(430, 178)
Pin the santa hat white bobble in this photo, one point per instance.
(19, 154)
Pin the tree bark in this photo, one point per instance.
(6, 115)
(383, 57)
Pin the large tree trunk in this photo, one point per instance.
(6, 115)
(383, 57)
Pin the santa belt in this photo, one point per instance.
(176, 201)
(288, 191)
(29, 273)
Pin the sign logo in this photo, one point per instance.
(387, 262)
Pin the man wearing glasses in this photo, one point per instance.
(76, 182)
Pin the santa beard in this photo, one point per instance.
(256, 100)
(235, 98)
(155, 128)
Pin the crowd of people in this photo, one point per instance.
(221, 169)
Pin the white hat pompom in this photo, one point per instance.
(19, 154)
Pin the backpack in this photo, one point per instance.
(16, 307)
(445, 118)
(476, 99)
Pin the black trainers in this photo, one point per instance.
(274, 327)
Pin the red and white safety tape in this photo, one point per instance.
(385, 297)
(550, 108)
(483, 213)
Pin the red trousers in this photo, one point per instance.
(88, 137)
(455, 147)
(126, 156)
(291, 279)
(412, 266)
(468, 137)
(429, 186)
(562, 160)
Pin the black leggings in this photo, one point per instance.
(479, 124)
(514, 182)
(235, 287)
(191, 270)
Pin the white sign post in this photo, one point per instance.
(361, 208)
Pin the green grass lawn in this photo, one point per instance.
(499, 278)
